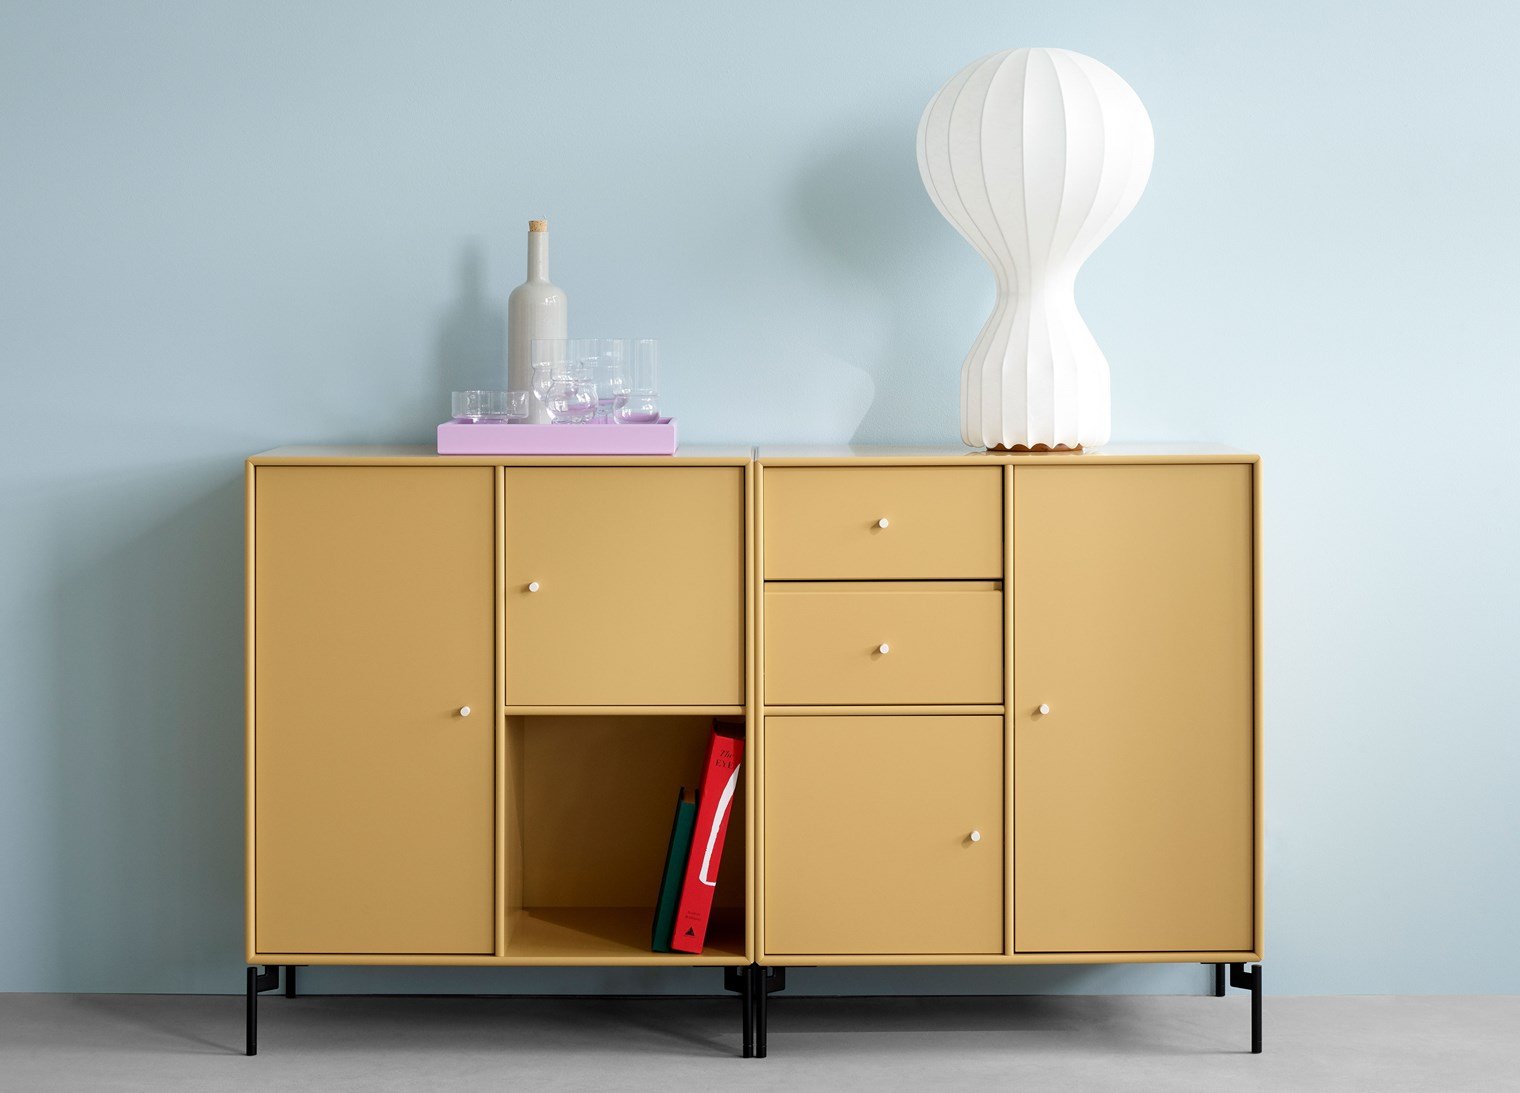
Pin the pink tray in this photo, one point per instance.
(494, 438)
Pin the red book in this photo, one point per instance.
(715, 801)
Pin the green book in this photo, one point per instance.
(675, 870)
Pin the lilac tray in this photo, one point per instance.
(493, 438)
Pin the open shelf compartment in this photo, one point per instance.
(589, 804)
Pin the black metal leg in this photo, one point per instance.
(1256, 1010)
(742, 982)
(251, 1046)
(1218, 980)
(258, 981)
(762, 1008)
(1250, 979)
(749, 1011)
(767, 982)
(290, 980)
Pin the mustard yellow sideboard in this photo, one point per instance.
(1000, 709)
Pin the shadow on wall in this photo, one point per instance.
(472, 335)
(862, 209)
(147, 740)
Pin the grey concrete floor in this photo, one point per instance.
(170, 1042)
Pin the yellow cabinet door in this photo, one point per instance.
(883, 835)
(624, 586)
(1133, 796)
(373, 799)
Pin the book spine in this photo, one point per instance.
(720, 783)
(675, 869)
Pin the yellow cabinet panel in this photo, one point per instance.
(624, 586)
(826, 523)
(1133, 797)
(869, 844)
(908, 643)
(374, 813)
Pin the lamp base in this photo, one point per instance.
(1037, 448)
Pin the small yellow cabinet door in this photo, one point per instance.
(373, 625)
(624, 586)
(883, 835)
(1133, 796)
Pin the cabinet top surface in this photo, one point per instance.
(424, 455)
(738, 455)
(1112, 453)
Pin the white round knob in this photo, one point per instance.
(464, 711)
(883, 648)
(976, 836)
(532, 586)
(1044, 708)
(883, 523)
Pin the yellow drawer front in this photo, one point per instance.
(883, 835)
(919, 643)
(825, 523)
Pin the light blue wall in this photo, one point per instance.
(228, 226)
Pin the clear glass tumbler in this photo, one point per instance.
(609, 372)
(519, 405)
(570, 396)
(641, 406)
(551, 359)
(478, 406)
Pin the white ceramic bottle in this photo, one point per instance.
(536, 309)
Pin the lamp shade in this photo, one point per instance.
(1035, 156)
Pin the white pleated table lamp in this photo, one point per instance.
(1035, 155)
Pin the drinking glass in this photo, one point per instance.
(478, 406)
(641, 406)
(519, 405)
(571, 402)
(550, 351)
(570, 396)
(609, 372)
(551, 360)
(543, 379)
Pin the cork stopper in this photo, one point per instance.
(538, 225)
